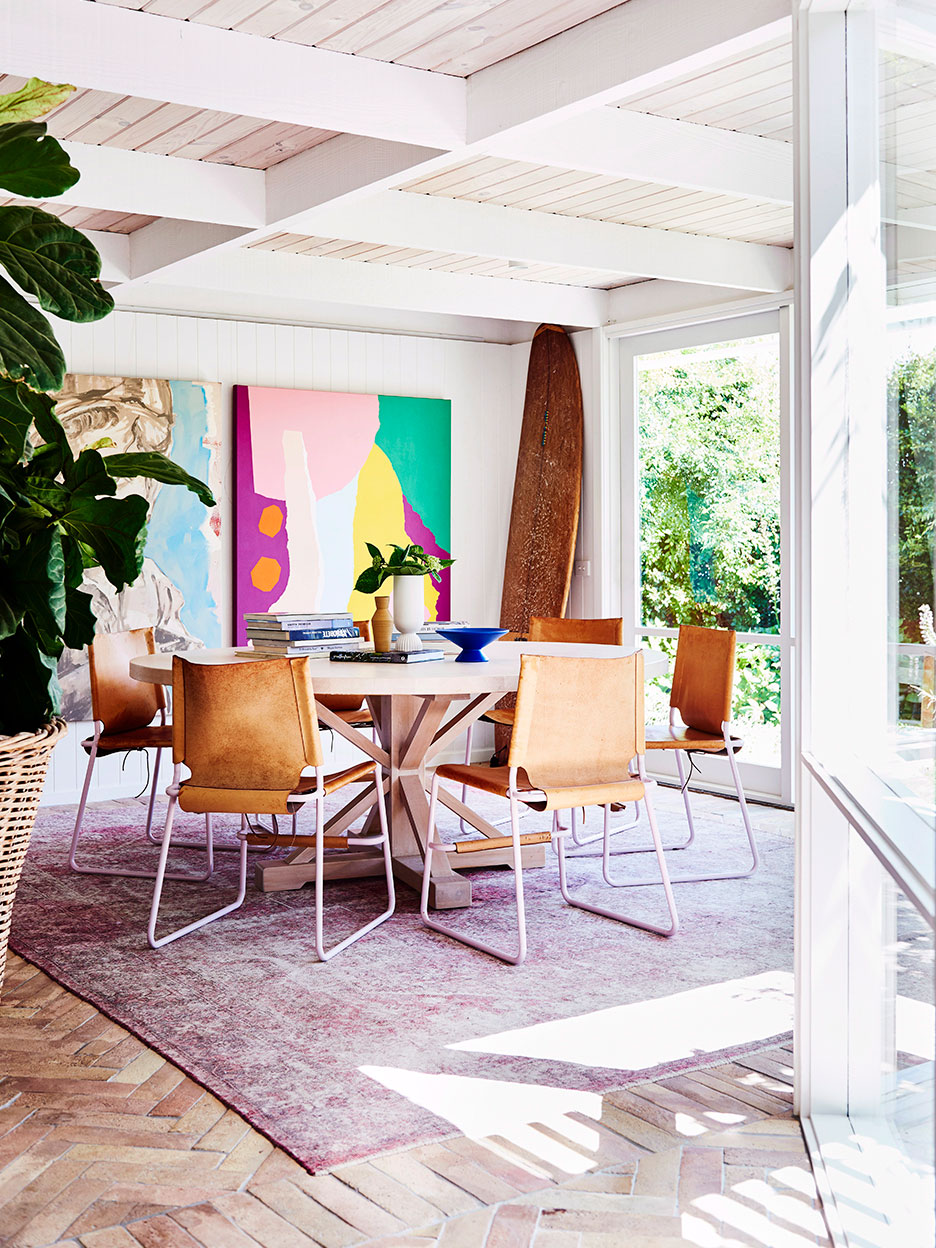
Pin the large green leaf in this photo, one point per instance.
(88, 476)
(32, 100)
(46, 493)
(11, 613)
(79, 618)
(7, 504)
(37, 571)
(49, 428)
(115, 530)
(30, 693)
(54, 262)
(19, 408)
(74, 563)
(157, 467)
(28, 350)
(32, 163)
(371, 580)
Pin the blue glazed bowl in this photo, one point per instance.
(472, 641)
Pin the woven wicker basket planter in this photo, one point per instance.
(24, 760)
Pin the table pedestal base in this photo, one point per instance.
(409, 729)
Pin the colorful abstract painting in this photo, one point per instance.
(319, 474)
(178, 591)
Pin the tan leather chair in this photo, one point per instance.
(700, 719)
(544, 628)
(123, 710)
(248, 732)
(578, 728)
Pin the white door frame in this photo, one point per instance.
(617, 560)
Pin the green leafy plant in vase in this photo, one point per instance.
(407, 565)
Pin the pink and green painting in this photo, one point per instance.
(318, 474)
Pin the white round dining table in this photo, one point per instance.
(409, 704)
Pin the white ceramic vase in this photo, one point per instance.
(408, 611)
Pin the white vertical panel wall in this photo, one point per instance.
(485, 382)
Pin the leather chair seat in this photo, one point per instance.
(154, 736)
(338, 780)
(505, 717)
(677, 737)
(497, 780)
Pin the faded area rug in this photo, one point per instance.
(407, 1036)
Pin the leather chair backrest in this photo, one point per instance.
(703, 677)
(246, 731)
(577, 632)
(579, 722)
(117, 700)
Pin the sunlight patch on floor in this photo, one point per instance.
(647, 1034)
(513, 1111)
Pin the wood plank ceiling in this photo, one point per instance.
(171, 130)
(568, 192)
(752, 94)
(450, 36)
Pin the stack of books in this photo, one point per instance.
(275, 633)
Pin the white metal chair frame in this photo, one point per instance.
(208, 845)
(318, 796)
(732, 746)
(515, 797)
(92, 743)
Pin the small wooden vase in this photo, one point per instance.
(382, 625)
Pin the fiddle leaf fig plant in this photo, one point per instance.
(409, 560)
(59, 513)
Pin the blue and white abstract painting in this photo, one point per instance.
(178, 591)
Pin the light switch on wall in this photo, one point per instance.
(583, 567)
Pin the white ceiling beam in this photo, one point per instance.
(268, 275)
(128, 52)
(115, 254)
(115, 180)
(434, 223)
(644, 148)
(167, 243)
(632, 48)
(339, 170)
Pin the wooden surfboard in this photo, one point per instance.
(547, 491)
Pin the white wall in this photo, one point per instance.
(485, 382)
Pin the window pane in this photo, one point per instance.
(756, 708)
(908, 142)
(709, 448)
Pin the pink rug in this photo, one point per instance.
(408, 1037)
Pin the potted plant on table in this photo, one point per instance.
(58, 513)
(408, 566)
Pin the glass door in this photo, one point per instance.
(706, 458)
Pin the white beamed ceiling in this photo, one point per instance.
(571, 193)
(367, 158)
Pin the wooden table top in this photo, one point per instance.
(501, 672)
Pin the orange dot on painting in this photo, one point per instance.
(265, 573)
(271, 520)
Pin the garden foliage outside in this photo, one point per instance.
(911, 399)
(709, 425)
(709, 421)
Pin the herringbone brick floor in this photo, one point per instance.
(105, 1144)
